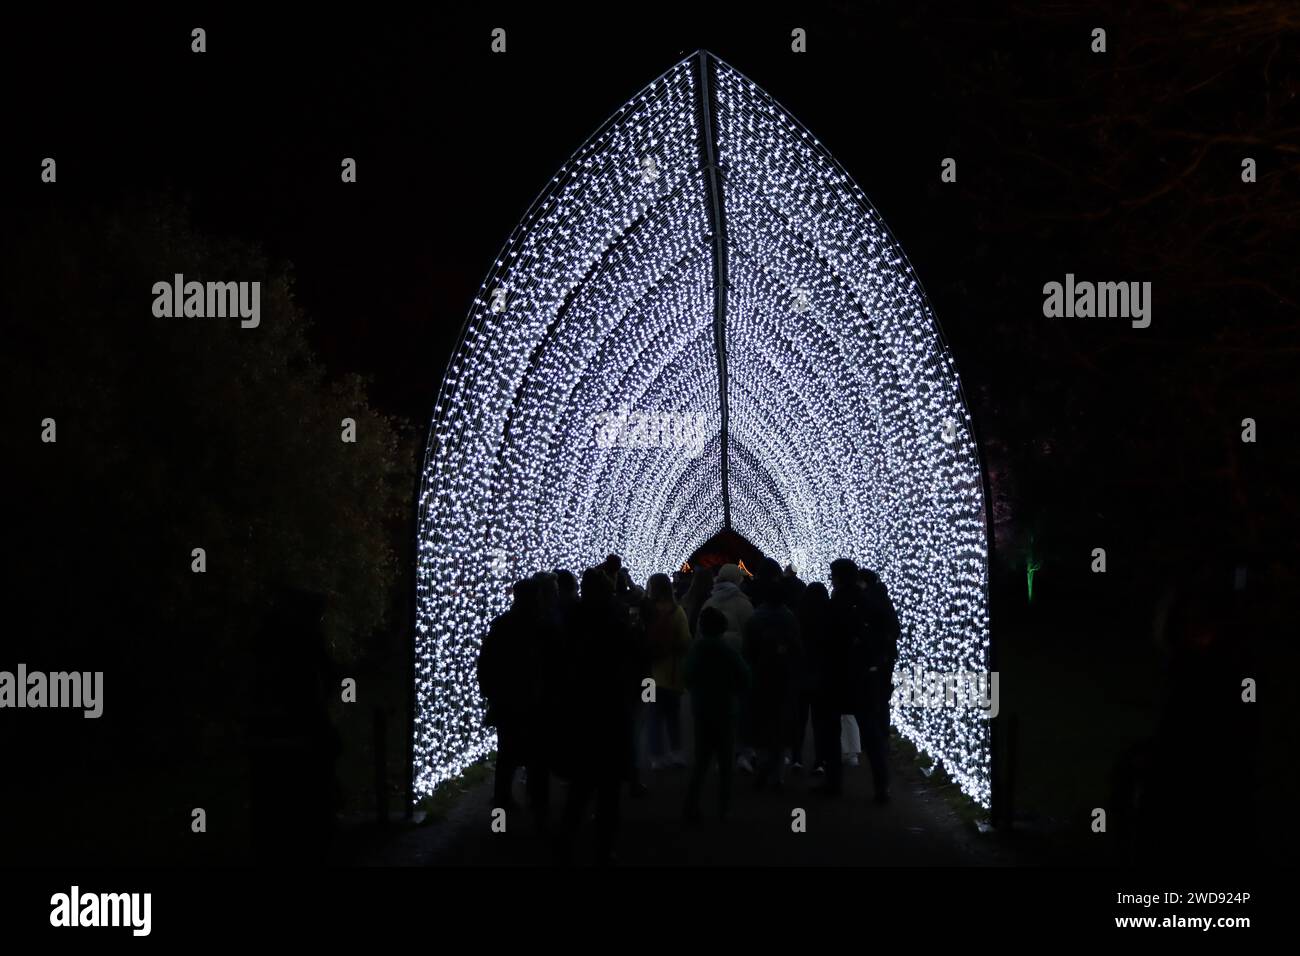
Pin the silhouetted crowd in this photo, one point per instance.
(576, 678)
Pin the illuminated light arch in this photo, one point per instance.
(702, 259)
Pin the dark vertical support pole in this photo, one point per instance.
(718, 222)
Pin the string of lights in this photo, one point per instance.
(847, 431)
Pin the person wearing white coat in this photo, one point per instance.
(728, 598)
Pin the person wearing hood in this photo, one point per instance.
(728, 598)
(697, 592)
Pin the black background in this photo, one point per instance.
(1066, 164)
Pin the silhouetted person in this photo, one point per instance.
(625, 592)
(509, 676)
(555, 726)
(858, 669)
(767, 574)
(883, 632)
(668, 638)
(718, 679)
(697, 592)
(551, 641)
(605, 684)
(567, 597)
(639, 640)
(612, 568)
(681, 581)
(815, 701)
(728, 598)
(791, 574)
(774, 652)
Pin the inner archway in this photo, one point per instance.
(701, 324)
(725, 547)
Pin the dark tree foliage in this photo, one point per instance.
(183, 433)
(1122, 166)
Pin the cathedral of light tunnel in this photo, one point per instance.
(700, 324)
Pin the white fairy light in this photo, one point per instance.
(847, 432)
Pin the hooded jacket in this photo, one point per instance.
(731, 601)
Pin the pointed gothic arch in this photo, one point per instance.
(701, 263)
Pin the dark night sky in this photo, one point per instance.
(452, 142)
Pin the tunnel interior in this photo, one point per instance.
(701, 325)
